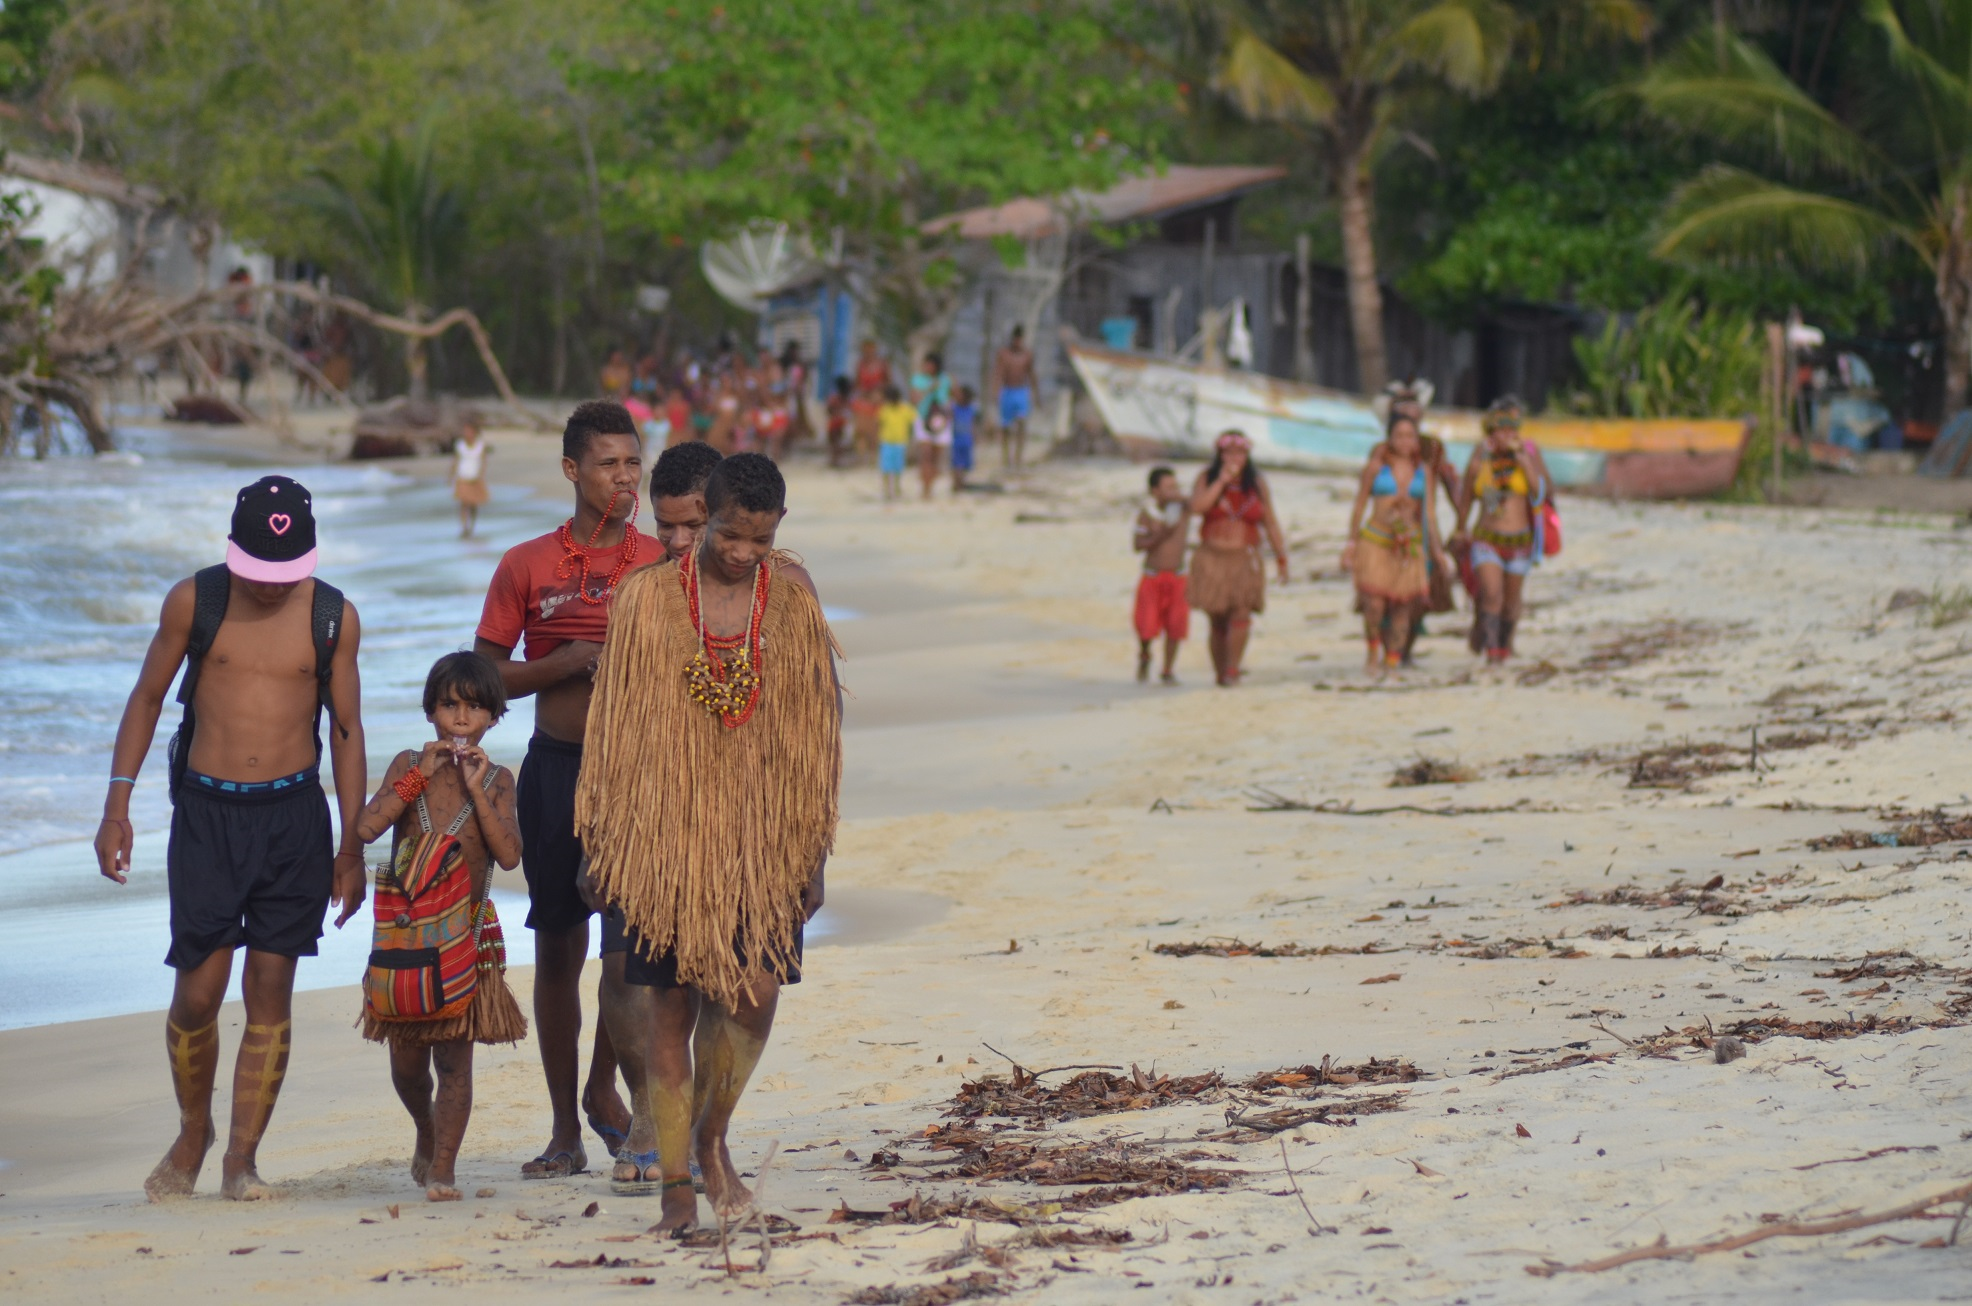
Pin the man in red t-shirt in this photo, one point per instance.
(550, 598)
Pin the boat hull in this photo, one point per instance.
(1154, 405)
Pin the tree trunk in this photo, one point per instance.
(1954, 279)
(1359, 259)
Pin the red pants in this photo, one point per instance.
(1161, 607)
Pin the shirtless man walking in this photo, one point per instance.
(555, 592)
(267, 647)
(1013, 376)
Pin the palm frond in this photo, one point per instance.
(1950, 91)
(1726, 215)
(1268, 86)
(1466, 43)
(1731, 92)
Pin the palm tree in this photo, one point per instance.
(403, 224)
(1894, 170)
(1340, 72)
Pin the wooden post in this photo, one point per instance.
(1205, 267)
(1304, 310)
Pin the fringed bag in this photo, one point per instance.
(425, 949)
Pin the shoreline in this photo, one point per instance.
(1104, 821)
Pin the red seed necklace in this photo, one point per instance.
(728, 688)
(574, 553)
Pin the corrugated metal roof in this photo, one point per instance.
(1178, 187)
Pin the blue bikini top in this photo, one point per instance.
(1386, 482)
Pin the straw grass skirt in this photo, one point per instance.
(1227, 580)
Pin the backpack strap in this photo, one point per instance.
(212, 588)
(458, 822)
(326, 622)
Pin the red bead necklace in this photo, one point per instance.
(573, 553)
(729, 689)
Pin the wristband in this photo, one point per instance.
(130, 780)
(410, 785)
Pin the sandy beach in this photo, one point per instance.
(1516, 980)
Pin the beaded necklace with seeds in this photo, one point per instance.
(728, 689)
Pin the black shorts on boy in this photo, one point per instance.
(551, 854)
(248, 863)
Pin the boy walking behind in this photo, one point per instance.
(267, 648)
(554, 593)
(1160, 537)
(894, 424)
(708, 805)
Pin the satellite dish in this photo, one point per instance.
(751, 264)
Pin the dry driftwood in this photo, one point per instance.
(1662, 1250)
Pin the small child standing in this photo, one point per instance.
(965, 416)
(838, 421)
(453, 786)
(469, 454)
(894, 422)
(1160, 536)
(934, 434)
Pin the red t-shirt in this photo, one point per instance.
(533, 594)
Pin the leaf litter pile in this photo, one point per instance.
(1907, 830)
(971, 1146)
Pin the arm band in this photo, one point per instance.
(123, 780)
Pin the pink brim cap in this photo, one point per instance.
(247, 567)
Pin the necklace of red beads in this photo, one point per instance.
(728, 687)
(575, 555)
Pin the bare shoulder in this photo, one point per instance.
(179, 602)
(797, 573)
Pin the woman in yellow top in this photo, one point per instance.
(1508, 480)
(1387, 552)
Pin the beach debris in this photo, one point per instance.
(1315, 1227)
(1713, 897)
(1240, 948)
(1093, 1092)
(1262, 799)
(1521, 1131)
(1538, 674)
(1391, 978)
(1423, 1169)
(392, 1208)
(980, 1283)
(1867, 1156)
(487, 1192)
(1906, 598)
(969, 1249)
(1652, 640)
(592, 1210)
(244, 1251)
(1431, 771)
(1677, 766)
(1172, 1004)
(1663, 1250)
(604, 1261)
(1341, 1112)
(1374, 1071)
(1727, 1049)
(1908, 830)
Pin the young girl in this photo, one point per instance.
(451, 785)
(469, 476)
(934, 434)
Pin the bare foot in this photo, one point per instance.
(680, 1212)
(241, 1182)
(1143, 666)
(178, 1173)
(441, 1193)
(421, 1154)
(729, 1197)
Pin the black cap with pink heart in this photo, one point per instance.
(273, 539)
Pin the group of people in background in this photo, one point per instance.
(1402, 564)
(893, 416)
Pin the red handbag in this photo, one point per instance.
(1550, 528)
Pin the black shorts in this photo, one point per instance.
(251, 869)
(616, 935)
(662, 972)
(551, 855)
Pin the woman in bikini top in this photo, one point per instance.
(1387, 551)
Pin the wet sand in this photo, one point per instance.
(1026, 826)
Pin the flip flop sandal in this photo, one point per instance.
(640, 1186)
(613, 1138)
(557, 1165)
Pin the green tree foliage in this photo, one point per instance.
(1889, 166)
(1341, 73)
(855, 121)
(1672, 360)
(1536, 196)
(26, 29)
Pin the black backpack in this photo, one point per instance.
(214, 587)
